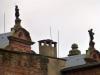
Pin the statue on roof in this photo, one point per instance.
(16, 12)
(91, 43)
(91, 34)
(17, 19)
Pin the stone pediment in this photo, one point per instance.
(21, 33)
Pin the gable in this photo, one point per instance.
(21, 33)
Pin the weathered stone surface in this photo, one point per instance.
(18, 63)
(55, 65)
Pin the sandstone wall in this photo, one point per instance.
(55, 65)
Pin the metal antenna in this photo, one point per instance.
(58, 43)
(4, 22)
(50, 33)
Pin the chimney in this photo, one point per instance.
(48, 48)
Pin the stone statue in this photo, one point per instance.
(91, 43)
(16, 12)
(91, 34)
(17, 19)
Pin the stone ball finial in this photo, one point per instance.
(74, 50)
(74, 46)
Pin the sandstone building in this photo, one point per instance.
(17, 58)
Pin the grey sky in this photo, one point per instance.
(73, 19)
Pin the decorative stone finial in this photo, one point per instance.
(74, 46)
(74, 50)
(16, 12)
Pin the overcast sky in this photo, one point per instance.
(73, 19)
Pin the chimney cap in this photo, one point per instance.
(47, 41)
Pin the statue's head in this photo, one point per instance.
(91, 29)
(16, 6)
